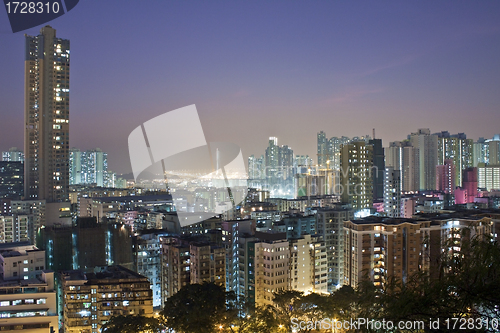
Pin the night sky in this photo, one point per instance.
(256, 69)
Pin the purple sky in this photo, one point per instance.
(256, 69)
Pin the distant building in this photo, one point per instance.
(480, 152)
(392, 192)
(15, 228)
(426, 148)
(488, 177)
(457, 148)
(494, 151)
(11, 180)
(13, 155)
(232, 231)
(403, 156)
(271, 265)
(378, 169)
(377, 249)
(91, 299)
(147, 262)
(89, 167)
(330, 225)
(445, 177)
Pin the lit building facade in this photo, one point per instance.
(91, 299)
(271, 264)
(11, 180)
(488, 177)
(457, 148)
(13, 155)
(356, 175)
(392, 192)
(426, 146)
(46, 141)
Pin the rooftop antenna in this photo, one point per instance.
(374, 134)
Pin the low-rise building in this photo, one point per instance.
(91, 299)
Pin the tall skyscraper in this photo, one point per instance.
(494, 151)
(457, 148)
(323, 154)
(392, 192)
(46, 114)
(356, 172)
(378, 168)
(480, 152)
(402, 156)
(94, 166)
(75, 166)
(427, 146)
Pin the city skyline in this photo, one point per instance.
(260, 70)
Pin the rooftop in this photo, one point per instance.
(106, 273)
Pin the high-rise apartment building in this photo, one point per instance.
(457, 148)
(480, 152)
(271, 266)
(323, 153)
(11, 180)
(15, 228)
(231, 233)
(75, 166)
(330, 225)
(279, 167)
(445, 177)
(308, 265)
(470, 183)
(378, 169)
(488, 177)
(88, 167)
(402, 156)
(494, 151)
(147, 261)
(46, 114)
(302, 164)
(426, 145)
(356, 175)
(329, 151)
(392, 192)
(377, 249)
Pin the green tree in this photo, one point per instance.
(197, 308)
(133, 324)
